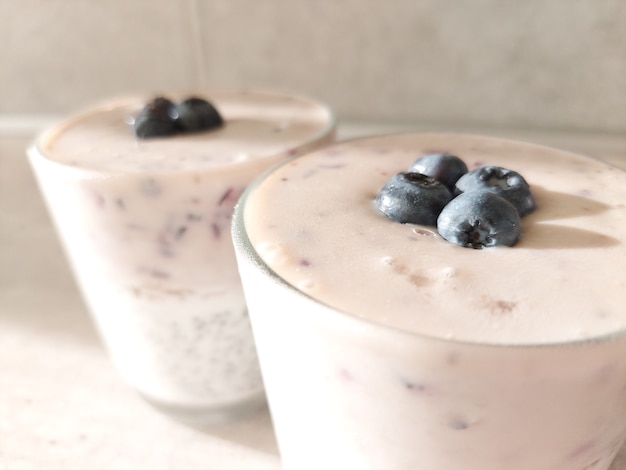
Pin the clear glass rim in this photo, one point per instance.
(244, 246)
(35, 150)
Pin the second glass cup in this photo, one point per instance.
(145, 223)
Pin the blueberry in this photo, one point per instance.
(504, 182)
(413, 198)
(196, 114)
(441, 166)
(479, 219)
(156, 119)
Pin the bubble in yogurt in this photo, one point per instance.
(272, 253)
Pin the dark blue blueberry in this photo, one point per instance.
(504, 182)
(479, 219)
(413, 198)
(441, 166)
(156, 119)
(196, 114)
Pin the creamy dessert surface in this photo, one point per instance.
(257, 125)
(565, 279)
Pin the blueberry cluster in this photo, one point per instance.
(474, 209)
(161, 117)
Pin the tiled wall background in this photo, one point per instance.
(556, 64)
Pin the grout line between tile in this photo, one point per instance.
(25, 124)
(197, 44)
(17, 125)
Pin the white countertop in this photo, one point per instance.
(62, 405)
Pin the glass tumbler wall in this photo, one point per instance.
(349, 391)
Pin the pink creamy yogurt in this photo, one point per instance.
(146, 225)
(259, 126)
(565, 279)
(383, 346)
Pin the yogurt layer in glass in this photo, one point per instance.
(384, 346)
(145, 224)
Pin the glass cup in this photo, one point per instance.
(151, 250)
(348, 393)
